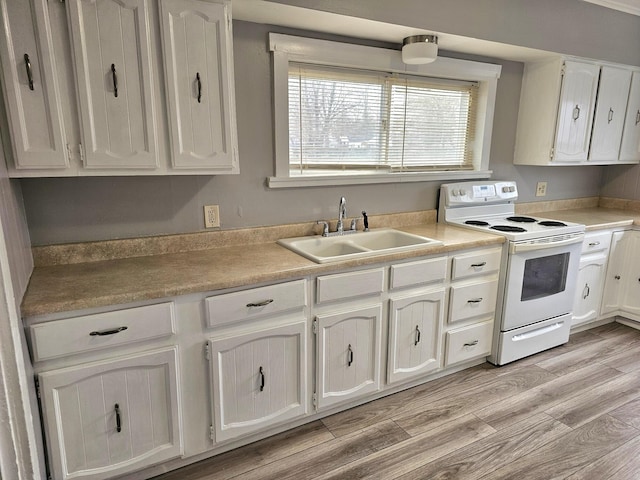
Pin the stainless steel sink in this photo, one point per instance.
(362, 244)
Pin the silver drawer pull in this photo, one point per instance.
(261, 373)
(477, 265)
(594, 244)
(118, 422)
(416, 340)
(475, 300)
(260, 304)
(103, 333)
(576, 112)
(349, 356)
(27, 64)
(471, 344)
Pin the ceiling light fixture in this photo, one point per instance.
(418, 49)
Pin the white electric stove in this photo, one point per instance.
(540, 265)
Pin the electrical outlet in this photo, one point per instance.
(541, 189)
(211, 216)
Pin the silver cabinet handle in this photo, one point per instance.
(114, 77)
(199, 87)
(617, 277)
(103, 333)
(475, 300)
(477, 265)
(576, 112)
(638, 117)
(471, 344)
(260, 304)
(118, 423)
(594, 244)
(586, 291)
(349, 356)
(27, 64)
(261, 372)
(416, 341)
(610, 117)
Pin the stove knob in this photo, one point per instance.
(454, 192)
(463, 192)
(505, 189)
(512, 189)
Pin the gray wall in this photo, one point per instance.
(84, 209)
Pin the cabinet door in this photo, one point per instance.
(609, 116)
(348, 349)
(631, 289)
(113, 63)
(258, 379)
(110, 418)
(590, 283)
(575, 111)
(199, 74)
(630, 149)
(415, 325)
(616, 274)
(32, 96)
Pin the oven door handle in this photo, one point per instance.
(530, 247)
(537, 332)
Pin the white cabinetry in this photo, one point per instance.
(112, 42)
(591, 277)
(472, 305)
(630, 149)
(616, 278)
(416, 318)
(573, 112)
(259, 379)
(114, 414)
(258, 358)
(198, 65)
(31, 91)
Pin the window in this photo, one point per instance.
(353, 114)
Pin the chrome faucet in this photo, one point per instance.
(342, 214)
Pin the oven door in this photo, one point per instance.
(541, 279)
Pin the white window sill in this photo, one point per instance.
(364, 179)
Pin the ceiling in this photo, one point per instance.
(628, 6)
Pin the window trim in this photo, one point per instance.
(288, 48)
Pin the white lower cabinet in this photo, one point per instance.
(258, 379)
(469, 342)
(591, 272)
(348, 354)
(109, 418)
(415, 326)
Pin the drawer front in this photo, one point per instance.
(256, 302)
(468, 301)
(101, 330)
(476, 263)
(418, 273)
(469, 342)
(596, 242)
(351, 284)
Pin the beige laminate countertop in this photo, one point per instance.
(63, 288)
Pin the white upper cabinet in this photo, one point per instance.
(610, 112)
(630, 149)
(575, 111)
(32, 95)
(198, 63)
(113, 55)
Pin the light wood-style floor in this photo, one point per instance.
(571, 412)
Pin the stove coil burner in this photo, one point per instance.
(552, 223)
(507, 228)
(521, 219)
(479, 223)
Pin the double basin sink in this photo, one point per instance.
(355, 245)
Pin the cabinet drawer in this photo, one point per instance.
(256, 302)
(351, 284)
(596, 242)
(476, 263)
(472, 300)
(418, 273)
(469, 342)
(101, 330)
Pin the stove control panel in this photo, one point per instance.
(478, 193)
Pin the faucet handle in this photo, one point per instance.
(354, 223)
(325, 228)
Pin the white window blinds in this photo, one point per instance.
(371, 121)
